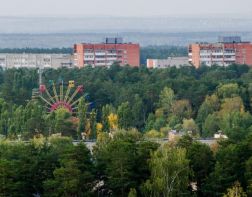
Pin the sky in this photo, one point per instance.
(129, 8)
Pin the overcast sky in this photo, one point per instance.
(126, 7)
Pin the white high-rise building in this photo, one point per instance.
(9, 60)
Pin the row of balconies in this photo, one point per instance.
(101, 53)
(216, 52)
(98, 58)
(98, 55)
(217, 59)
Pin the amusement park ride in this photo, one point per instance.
(59, 95)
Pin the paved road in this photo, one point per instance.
(91, 144)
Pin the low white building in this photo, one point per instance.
(30, 60)
(174, 134)
(220, 135)
(165, 63)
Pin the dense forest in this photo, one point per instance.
(124, 109)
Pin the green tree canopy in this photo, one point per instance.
(169, 173)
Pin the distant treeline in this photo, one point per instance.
(36, 50)
(161, 52)
(155, 52)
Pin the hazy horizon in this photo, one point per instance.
(191, 16)
(127, 8)
(43, 25)
(149, 23)
(115, 16)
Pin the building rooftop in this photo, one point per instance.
(110, 40)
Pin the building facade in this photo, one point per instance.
(10, 60)
(105, 54)
(227, 51)
(165, 63)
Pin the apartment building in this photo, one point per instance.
(105, 54)
(226, 51)
(9, 60)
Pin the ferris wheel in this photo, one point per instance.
(61, 95)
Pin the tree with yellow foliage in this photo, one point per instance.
(99, 127)
(113, 121)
